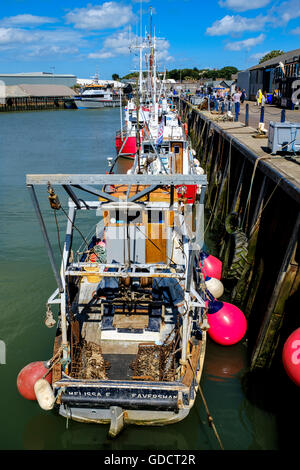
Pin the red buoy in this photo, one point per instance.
(291, 356)
(212, 266)
(28, 376)
(228, 324)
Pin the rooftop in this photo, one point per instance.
(35, 74)
(286, 57)
(23, 91)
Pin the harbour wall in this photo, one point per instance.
(33, 103)
(253, 213)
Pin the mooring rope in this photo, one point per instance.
(209, 417)
(247, 206)
(255, 226)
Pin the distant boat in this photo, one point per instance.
(97, 95)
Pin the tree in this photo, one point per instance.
(270, 55)
(115, 76)
(227, 72)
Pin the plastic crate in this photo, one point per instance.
(284, 137)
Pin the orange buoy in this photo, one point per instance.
(28, 376)
(185, 128)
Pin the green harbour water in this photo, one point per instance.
(79, 141)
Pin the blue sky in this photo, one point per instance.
(81, 37)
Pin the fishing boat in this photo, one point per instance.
(130, 341)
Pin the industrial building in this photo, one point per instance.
(38, 78)
(31, 97)
(275, 76)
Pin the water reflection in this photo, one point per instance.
(223, 362)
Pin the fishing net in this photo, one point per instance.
(88, 362)
(155, 363)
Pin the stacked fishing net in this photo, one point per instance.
(88, 362)
(155, 363)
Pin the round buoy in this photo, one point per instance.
(214, 286)
(227, 323)
(28, 376)
(199, 170)
(212, 266)
(291, 356)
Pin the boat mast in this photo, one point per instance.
(141, 50)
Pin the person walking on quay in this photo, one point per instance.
(263, 99)
(243, 95)
(258, 97)
(237, 104)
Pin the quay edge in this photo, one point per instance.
(260, 196)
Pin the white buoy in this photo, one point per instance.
(214, 286)
(261, 128)
(44, 394)
(199, 170)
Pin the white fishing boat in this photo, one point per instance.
(131, 336)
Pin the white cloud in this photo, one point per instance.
(276, 17)
(101, 55)
(285, 12)
(24, 44)
(26, 20)
(163, 54)
(109, 15)
(120, 44)
(235, 24)
(15, 36)
(295, 31)
(45, 51)
(115, 45)
(240, 5)
(258, 55)
(245, 43)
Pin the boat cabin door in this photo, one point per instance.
(177, 151)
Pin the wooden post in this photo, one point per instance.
(266, 342)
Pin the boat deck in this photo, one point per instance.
(121, 346)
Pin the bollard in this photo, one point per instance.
(262, 114)
(222, 109)
(247, 115)
(282, 115)
(237, 111)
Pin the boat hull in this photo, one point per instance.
(137, 417)
(140, 403)
(129, 149)
(94, 104)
